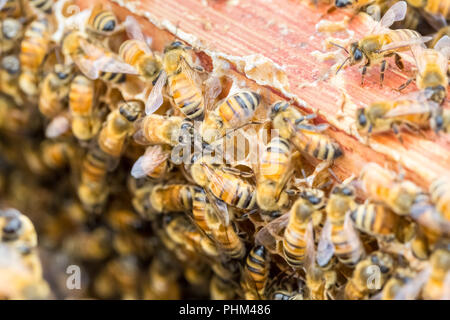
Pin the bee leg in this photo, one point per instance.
(382, 70)
(407, 83)
(397, 132)
(398, 61)
(363, 73)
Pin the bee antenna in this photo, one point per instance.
(343, 63)
(339, 46)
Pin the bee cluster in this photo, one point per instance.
(162, 180)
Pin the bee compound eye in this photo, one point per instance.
(357, 54)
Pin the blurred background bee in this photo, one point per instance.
(256, 273)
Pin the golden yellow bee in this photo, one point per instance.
(33, 50)
(384, 186)
(256, 273)
(183, 86)
(10, 35)
(93, 60)
(156, 129)
(136, 52)
(432, 65)
(225, 236)
(85, 122)
(308, 139)
(220, 289)
(200, 207)
(118, 127)
(275, 169)
(44, 6)
(369, 276)
(154, 163)
(437, 285)
(440, 196)
(415, 112)
(338, 235)
(383, 42)
(55, 91)
(102, 21)
(234, 111)
(171, 198)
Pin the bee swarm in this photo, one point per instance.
(92, 126)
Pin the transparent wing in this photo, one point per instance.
(213, 88)
(148, 162)
(57, 127)
(325, 248)
(87, 67)
(134, 32)
(395, 13)
(412, 108)
(411, 289)
(406, 43)
(155, 98)
(267, 235)
(443, 46)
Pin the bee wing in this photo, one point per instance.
(220, 206)
(325, 248)
(411, 289)
(443, 46)
(414, 108)
(406, 43)
(213, 88)
(395, 13)
(87, 67)
(57, 127)
(427, 215)
(155, 98)
(147, 163)
(266, 236)
(134, 32)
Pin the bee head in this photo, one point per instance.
(356, 54)
(277, 107)
(361, 117)
(173, 46)
(131, 110)
(342, 3)
(346, 191)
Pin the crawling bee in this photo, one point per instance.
(361, 284)
(234, 111)
(308, 139)
(170, 198)
(383, 43)
(156, 129)
(93, 60)
(339, 237)
(118, 127)
(383, 185)
(85, 122)
(256, 273)
(432, 67)
(55, 90)
(275, 169)
(33, 50)
(415, 112)
(183, 87)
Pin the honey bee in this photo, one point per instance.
(234, 111)
(383, 185)
(57, 154)
(274, 171)
(182, 84)
(286, 291)
(200, 206)
(55, 91)
(17, 230)
(415, 112)
(153, 164)
(102, 21)
(85, 122)
(171, 198)
(118, 127)
(220, 289)
(435, 287)
(308, 139)
(93, 60)
(137, 53)
(383, 43)
(432, 65)
(11, 33)
(225, 236)
(33, 51)
(256, 273)
(440, 196)
(156, 129)
(360, 285)
(339, 237)
(44, 6)
(435, 11)
(9, 73)
(405, 284)
(375, 219)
